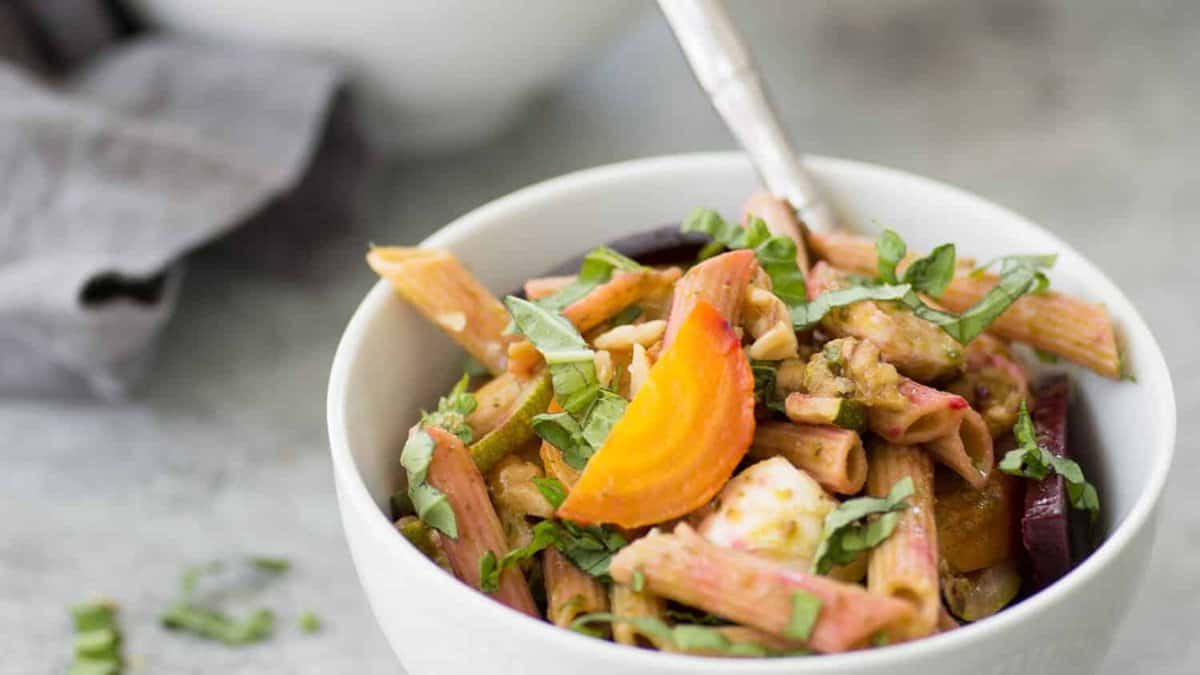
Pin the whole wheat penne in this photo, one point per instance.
(833, 456)
(904, 566)
(607, 299)
(1060, 324)
(452, 471)
(721, 281)
(968, 451)
(494, 402)
(523, 359)
(541, 287)
(628, 603)
(440, 288)
(569, 590)
(916, 347)
(929, 414)
(751, 590)
(780, 218)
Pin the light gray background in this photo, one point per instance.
(1081, 115)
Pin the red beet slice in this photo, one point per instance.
(1046, 524)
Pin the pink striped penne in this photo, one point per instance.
(628, 603)
(721, 281)
(542, 287)
(624, 289)
(569, 590)
(780, 218)
(968, 451)
(754, 591)
(479, 529)
(440, 288)
(833, 456)
(904, 566)
(1069, 327)
(930, 414)
(916, 347)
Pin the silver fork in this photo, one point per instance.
(725, 70)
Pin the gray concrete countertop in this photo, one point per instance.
(1081, 115)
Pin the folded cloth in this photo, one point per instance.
(111, 174)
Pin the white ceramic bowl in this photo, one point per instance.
(390, 363)
(433, 75)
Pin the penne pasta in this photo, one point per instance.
(914, 346)
(523, 359)
(453, 472)
(780, 218)
(750, 590)
(928, 414)
(624, 289)
(905, 565)
(1053, 322)
(630, 604)
(968, 451)
(440, 288)
(720, 281)
(995, 383)
(543, 287)
(512, 487)
(570, 591)
(833, 456)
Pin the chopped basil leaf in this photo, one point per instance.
(430, 505)
(590, 547)
(545, 533)
(452, 411)
(268, 564)
(552, 490)
(809, 315)
(805, 608)
(606, 411)
(776, 253)
(933, 273)
(309, 622)
(597, 269)
(683, 637)
(97, 645)
(626, 316)
(1030, 460)
(764, 382)
(1018, 276)
(638, 582)
(563, 432)
(1036, 261)
(212, 624)
(848, 531)
(890, 249)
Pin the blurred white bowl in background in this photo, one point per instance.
(431, 76)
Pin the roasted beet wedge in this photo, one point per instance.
(1046, 524)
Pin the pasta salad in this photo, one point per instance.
(786, 443)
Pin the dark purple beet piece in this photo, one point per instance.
(1046, 524)
(664, 245)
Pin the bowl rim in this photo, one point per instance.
(353, 491)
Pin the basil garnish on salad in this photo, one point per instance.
(452, 411)
(589, 411)
(429, 503)
(1032, 461)
(597, 268)
(776, 253)
(683, 637)
(849, 530)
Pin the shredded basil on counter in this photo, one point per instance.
(684, 637)
(1032, 461)
(269, 564)
(805, 609)
(309, 623)
(210, 623)
(97, 646)
(848, 531)
(776, 253)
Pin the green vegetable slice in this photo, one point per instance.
(517, 430)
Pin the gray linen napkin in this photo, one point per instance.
(110, 175)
